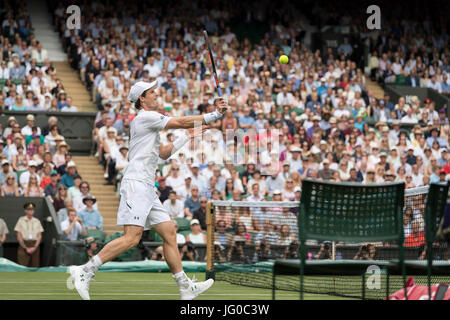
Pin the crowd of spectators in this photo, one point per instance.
(315, 115)
(327, 123)
(35, 161)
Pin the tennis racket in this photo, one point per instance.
(211, 60)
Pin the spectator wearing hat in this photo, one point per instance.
(51, 188)
(59, 158)
(31, 172)
(442, 176)
(10, 125)
(121, 160)
(27, 130)
(296, 162)
(443, 158)
(62, 169)
(196, 236)
(325, 173)
(52, 142)
(13, 131)
(383, 163)
(29, 235)
(68, 178)
(5, 171)
(163, 189)
(17, 140)
(192, 203)
(91, 218)
(381, 113)
(72, 227)
(274, 182)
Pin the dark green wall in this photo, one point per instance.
(11, 209)
(75, 127)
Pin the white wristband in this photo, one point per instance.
(213, 116)
(180, 142)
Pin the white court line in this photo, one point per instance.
(142, 294)
(107, 282)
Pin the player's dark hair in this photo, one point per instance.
(138, 104)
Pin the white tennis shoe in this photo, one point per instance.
(189, 289)
(81, 279)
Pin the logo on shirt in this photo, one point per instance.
(162, 117)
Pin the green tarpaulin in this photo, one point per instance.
(133, 266)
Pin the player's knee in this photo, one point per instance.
(170, 235)
(133, 240)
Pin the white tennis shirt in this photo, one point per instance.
(143, 151)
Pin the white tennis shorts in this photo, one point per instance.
(140, 205)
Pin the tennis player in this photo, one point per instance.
(140, 207)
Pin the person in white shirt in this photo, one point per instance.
(285, 97)
(174, 206)
(69, 107)
(25, 177)
(72, 227)
(26, 130)
(198, 179)
(140, 207)
(434, 84)
(417, 177)
(341, 111)
(409, 117)
(175, 180)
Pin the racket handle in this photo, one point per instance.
(219, 91)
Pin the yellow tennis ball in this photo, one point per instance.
(284, 59)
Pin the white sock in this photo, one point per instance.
(180, 276)
(94, 264)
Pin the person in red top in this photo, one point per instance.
(417, 237)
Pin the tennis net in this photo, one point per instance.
(248, 237)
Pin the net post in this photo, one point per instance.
(210, 218)
(333, 250)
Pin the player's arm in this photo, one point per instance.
(190, 121)
(165, 151)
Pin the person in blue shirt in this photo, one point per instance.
(67, 178)
(322, 89)
(246, 121)
(91, 218)
(435, 136)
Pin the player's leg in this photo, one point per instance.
(160, 221)
(167, 232)
(82, 275)
(134, 208)
(130, 239)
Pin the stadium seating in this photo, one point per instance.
(183, 224)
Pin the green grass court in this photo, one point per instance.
(126, 286)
